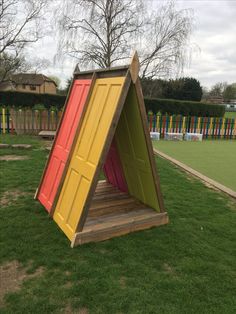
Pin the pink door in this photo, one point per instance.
(63, 142)
(113, 169)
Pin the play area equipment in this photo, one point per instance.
(95, 135)
(169, 136)
(155, 136)
(194, 137)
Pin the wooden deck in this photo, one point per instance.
(114, 213)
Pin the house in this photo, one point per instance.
(30, 83)
(214, 99)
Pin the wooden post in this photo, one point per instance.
(3, 121)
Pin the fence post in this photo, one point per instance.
(8, 120)
(220, 125)
(3, 121)
(171, 118)
(160, 126)
(231, 128)
(167, 124)
(49, 113)
(0, 121)
(180, 123)
(183, 125)
(164, 125)
(157, 123)
(176, 123)
(235, 128)
(229, 120)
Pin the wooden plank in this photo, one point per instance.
(104, 189)
(111, 203)
(134, 67)
(103, 70)
(114, 194)
(97, 225)
(119, 216)
(116, 209)
(129, 226)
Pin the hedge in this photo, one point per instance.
(21, 99)
(169, 106)
(185, 108)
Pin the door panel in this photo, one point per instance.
(63, 142)
(113, 169)
(86, 156)
(133, 152)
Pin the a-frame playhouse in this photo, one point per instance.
(103, 127)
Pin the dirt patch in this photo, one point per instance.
(12, 275)
(68, 310)
(4, 145)
(13, 157)
(232, 204)
(122, 282)
(168, 269)
(68, 285)
(83, 310)
(9, 197)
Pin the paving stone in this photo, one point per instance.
(4, 145)
(23, 146)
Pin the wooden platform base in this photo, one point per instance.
(114, 213)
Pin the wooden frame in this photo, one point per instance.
(161, 218)
(134, 220)
(119, 214)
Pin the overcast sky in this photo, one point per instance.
(213, 44)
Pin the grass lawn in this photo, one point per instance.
(187, 266)
(230, 115)
(215, 159)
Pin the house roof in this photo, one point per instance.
(31, 79)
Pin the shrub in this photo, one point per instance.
(185, 108)
(30, 100)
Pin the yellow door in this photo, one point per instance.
(86, 155)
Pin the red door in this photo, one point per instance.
(63, 142)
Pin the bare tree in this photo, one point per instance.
(19, 26)
(10, 64)
(218, 89)
(105, 31)
(99, 31)
(164, 46)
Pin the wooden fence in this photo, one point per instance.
(29, 121)
(209, 127)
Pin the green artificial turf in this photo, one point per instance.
(187, 266)
(230, 115)
(215, 159)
